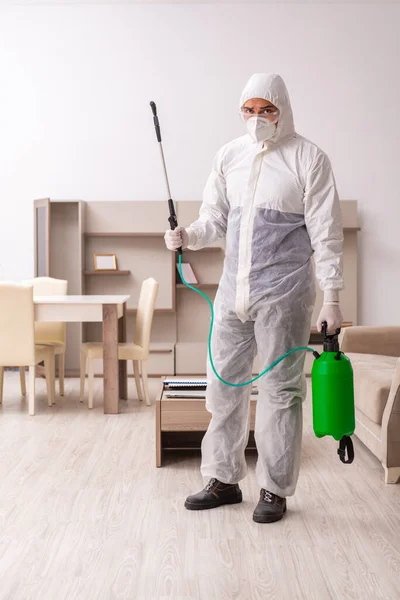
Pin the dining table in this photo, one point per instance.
(110, 310)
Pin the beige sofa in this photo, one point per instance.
(374, 353)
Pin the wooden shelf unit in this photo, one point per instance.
(59, 248)
(69, 233)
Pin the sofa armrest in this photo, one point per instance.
(391, 424)
(384, 341)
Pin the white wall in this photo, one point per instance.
(75, 121)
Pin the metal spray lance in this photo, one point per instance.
(173, 221)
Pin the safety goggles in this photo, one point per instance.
(269, 113)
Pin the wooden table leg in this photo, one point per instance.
(123, 379)
(158, 434)
(158, 426)
(110, 349)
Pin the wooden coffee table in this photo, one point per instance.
(182, 422)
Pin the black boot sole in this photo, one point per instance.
(268, 518)
(194, 506)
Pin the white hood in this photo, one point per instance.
(271, 87)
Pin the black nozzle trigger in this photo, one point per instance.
(330, 340)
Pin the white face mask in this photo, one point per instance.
(260, 129)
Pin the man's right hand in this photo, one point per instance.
(177, 238)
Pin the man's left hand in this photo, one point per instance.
(332, 314)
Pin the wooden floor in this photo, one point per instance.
(84, 514)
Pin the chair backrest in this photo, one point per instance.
(145, 313)
(17, 320)
(47, 286)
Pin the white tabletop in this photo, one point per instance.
(73, 309)
(112, 299)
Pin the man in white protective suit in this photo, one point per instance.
(272, 195)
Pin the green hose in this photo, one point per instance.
(277, 361)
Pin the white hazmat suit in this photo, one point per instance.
(276, 204)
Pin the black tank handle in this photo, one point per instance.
(346, 444)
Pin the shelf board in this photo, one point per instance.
(116, 272)
(161, 234)
(182, 286)
(133, 311)
(208, 249)
(124, 235)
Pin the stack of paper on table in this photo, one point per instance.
(186, 382)
(191, 386)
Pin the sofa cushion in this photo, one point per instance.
(373, 376)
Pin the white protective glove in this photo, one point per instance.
(331, 313)
(177, 238)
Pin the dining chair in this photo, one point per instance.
(138, 351)
(17, 339)
(49, 334)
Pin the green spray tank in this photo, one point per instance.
(333, 395)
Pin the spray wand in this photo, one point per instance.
(173, 221)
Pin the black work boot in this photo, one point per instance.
(270, 508)
(214, 494)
